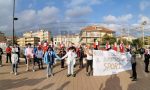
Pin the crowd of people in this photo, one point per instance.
(37, 55)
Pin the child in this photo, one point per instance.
(39, 55)
(14, 59)
(1, 52)
(49, 60)
(71, 58)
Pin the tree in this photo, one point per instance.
(137, 43)
(106, 38)
(124, 41)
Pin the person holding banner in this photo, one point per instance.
(107, 47)
(133, 62)
(115, 46)
(122, 47)
(89, 59)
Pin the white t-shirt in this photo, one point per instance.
(89, 57)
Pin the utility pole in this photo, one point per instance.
(13, 22)
(14, 18)
(143, 24)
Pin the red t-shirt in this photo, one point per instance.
(8, 50)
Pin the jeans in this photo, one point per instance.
(49, 69)
(14, 68)
(0, 60)
(8, 55)
(70, 67)
(89, 63)
(134, 74)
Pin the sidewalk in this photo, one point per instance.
(38, 81)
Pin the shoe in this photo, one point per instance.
(131, 77)
(68, 75)
(147, 71)
(33, 70)
(47, 76)
(11, 72)
(16, 73)
(88, 74)
(73, 75)
(0, 65)
(134, 79)
(52, 75)
(27, 69)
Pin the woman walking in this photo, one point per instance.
(49, 60)
(14, 59)
(71, 58)
(89, 58)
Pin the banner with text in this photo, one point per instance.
(110, 62)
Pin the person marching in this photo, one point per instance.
(29, 55)
(1, 52)
(115, 46)
(95, 44)
(62, 53)
(146, 60)
(107, 47)
(89, 58)
(14, 59)
(71, 59)
(39, 57)
(121, 47)
(49, 60)
(133, 62)
(80, 53)
(8, 54)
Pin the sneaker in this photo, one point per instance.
(33, 70)
(16, 73)
(134, 79)
(73, 75)
(47, 76)
(52, 75)
(11, 72)
(88, 74)
(68, 75)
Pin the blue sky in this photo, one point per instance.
(51, 14)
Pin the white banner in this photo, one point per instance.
(110, 62)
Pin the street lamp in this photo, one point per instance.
(143, 23)
(14, 18)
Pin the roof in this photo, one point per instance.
(97, 28)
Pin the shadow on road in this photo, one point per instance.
(10, 84)
(112, 82)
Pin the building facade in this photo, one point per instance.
(42, 34)
(66, 39)
(91, 33)
(25, 40)
(2, 37)
(128, 38)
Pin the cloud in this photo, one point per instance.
(143, 18)
(31, 18)
(119, 19)
(78, 11)
(144, 5)
(6, 14)
(72, 3)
